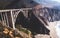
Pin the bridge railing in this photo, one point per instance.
(8, 17)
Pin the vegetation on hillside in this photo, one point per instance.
(7, 32)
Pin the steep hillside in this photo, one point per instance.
(7, 32)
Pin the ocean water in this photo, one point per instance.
(58, 28)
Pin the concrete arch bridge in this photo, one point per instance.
(37, 18)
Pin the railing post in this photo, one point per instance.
(7, 23)
(12, 20)
(2, 18)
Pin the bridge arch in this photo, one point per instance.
(31, 23)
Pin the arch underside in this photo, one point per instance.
(31, 23)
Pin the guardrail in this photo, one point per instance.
(8, 17)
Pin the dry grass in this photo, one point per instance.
(7, 32)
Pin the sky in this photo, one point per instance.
(56, 0)
(48, 2)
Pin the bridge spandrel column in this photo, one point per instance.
(13, 24)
